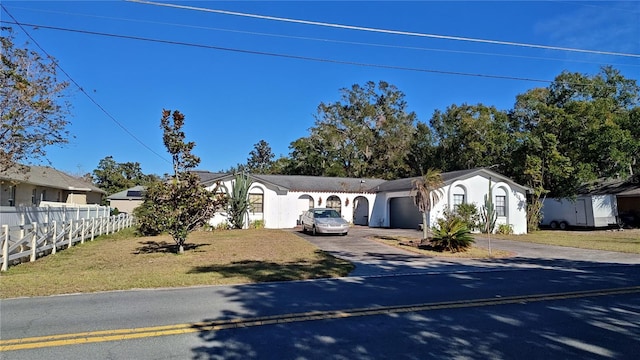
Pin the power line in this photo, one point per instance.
(384, 31)
(325, 40)
(80, 87)
(288, 56)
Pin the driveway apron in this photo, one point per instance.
(372, 258)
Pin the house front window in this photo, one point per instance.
(256, 203)
(501, 205)
(458, 199)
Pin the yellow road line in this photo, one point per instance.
(178, 329)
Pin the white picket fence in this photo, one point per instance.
(30, 240)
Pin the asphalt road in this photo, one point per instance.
(550, 308)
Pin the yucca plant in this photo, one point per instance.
(451, 234)
(238, 201)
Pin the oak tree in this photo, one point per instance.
(33, 109)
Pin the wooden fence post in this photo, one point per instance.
(93, 228)
(5, 248)
(70, 233)
(82, 232)
(34, 241)
(55, 237)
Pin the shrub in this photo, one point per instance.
(505, 229)
(451, 234)
(148, 224)
(223, 226)
(257, 224)
(469, 215)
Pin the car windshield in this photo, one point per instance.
(330, 213)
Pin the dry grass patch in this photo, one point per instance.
(412, 244)
(627, 241)
(122, 261)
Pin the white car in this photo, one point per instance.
(324, 221)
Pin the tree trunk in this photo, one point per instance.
(425, 227)
(181, 248)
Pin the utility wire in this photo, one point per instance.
(384, 31)
(325, 40)
(15, 22)
(296, 57)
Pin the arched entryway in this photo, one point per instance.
(333, 202)
(361, 211)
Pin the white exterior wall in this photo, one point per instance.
(605, 210)
(475, 189)
(283, 209)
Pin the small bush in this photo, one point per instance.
(451, 234)
(469, 215)
(148, 224)
(505, 229)
(257, 224)
(223, 226)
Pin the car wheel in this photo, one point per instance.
(564, 225)
(554, 225)
(304, 228)
(313, 231)
(344, 234)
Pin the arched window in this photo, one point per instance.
(501, 202)
(256, 200)
(459, 196)
(333, 202)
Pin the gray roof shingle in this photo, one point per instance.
(340, 184)
(49, 177)
(134, 193)
(301, 182)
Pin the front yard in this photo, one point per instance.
(627, 241)
(121, 261)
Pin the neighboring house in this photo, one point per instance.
(39, 185)
(280, 200)
(127, 200)
(394, 206)
(599, 204)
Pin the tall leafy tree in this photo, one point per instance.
(478, 135)
(33, 112)
(260, 158)
(427, 192)
(112, 176)
(578, 129)
(362, 135)
(182, 204)
(422, 151)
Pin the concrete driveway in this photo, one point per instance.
(372, 258)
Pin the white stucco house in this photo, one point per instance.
(393, 206)
(280, 200)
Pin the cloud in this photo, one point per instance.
(611, 26)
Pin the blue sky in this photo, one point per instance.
(235, 92)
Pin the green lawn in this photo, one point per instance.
(627, 241)
(121, 261)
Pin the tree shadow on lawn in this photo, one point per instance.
(151, 247)
(267, 271)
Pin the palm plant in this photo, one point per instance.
(427, 193)
(451, 234)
